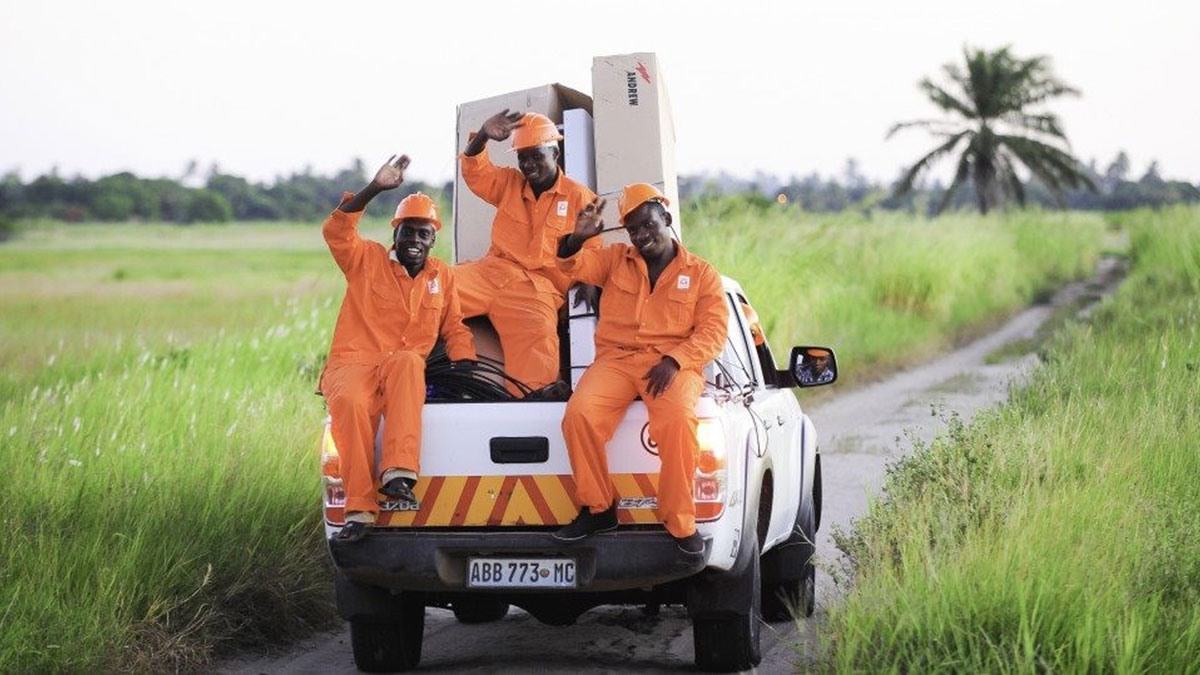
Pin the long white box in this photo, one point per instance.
(635, 133)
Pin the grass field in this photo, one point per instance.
(890, 290)
(158, 427)
(1057, 534)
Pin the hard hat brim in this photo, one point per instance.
(549, 141)
(658, 200)
(437, 224)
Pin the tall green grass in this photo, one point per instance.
(158, 427)
(1060, 532)
(889, 289)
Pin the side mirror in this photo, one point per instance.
(812, 366)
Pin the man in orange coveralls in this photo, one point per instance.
(517, 284)
(397, 303)
(663, 317)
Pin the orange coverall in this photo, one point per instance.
(685, 317)
(386, 328)
(517, 284)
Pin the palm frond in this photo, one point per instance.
(1012, 181)
(960, 175)
(1044, 123)
(920, 124)
(1043, 90)
(1062, 164)
(1040, 163)
(906, 182)
(1015, 78)
(947, 101)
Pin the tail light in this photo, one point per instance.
(330, 463)
(711, 470)
(331, 479)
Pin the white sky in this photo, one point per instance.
(792, 87)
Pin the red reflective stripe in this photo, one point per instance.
(539, 501)
(568, 483)
(502, 500)
(428, 501)
(646, 486)
(464, 502)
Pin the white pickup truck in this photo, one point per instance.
(496, 482)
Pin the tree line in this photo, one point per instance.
(308, 196)
(220, 197)
(1117, 188)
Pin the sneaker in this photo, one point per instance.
(691, 545)
(588, 523)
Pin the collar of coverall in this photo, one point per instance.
(430, 263)
(684, 256)
(557, 188)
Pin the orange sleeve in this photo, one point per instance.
(485, 179)
(712, 324)
(460, 344)
(341, 234)
(594, 244)
(591, 265)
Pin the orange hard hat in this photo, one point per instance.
(756, 330)
(535, 130)
(637, 194)
(818, 353)
(417, 205)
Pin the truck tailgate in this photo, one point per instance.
(505, 464)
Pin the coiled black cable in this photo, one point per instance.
(479, 380)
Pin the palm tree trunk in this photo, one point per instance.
(983, 180)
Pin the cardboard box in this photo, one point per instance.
(473, 216)
(634, 130)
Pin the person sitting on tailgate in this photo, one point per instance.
(398, 302)
(663, 317)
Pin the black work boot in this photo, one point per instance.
(588, 523)
(351, 532)
(691, 545)
(400, 489)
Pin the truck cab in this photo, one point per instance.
(496, 482)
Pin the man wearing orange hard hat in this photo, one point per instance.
(663, 317)
(815, 367)
(516, 284)
(398, 302)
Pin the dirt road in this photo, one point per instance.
(861, 431)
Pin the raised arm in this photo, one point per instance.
(341, 227)
(485, 179)
(578, 258)
(495, 128)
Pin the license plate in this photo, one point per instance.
(521, 573)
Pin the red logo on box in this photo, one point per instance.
(641, 68)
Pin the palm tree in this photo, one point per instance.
(997, 129)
